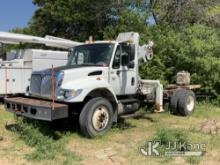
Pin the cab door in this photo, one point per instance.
(123, 73)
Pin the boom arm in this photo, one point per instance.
(145, 52)
(13, 38)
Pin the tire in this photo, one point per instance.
(174, 101)
(93, 111)
(186, 103)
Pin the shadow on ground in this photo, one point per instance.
(55, 130)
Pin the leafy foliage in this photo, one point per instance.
(181, 13)
(186, 36)
(73, 19)
(128, 21)
(194, 49)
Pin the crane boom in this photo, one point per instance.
(13, 38)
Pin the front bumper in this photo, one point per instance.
(36, 108)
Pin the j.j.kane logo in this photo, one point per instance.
(152, 148)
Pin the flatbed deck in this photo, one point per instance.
(171, 88)
(175, 86)
(35, 108)
(35, 102)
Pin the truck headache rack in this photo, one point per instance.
(36, 109)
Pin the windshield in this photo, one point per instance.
(92, 54)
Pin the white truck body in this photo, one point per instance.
(15, 72)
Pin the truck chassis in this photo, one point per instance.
(48, 110)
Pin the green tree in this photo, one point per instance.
(73, 19)
(195, 49)
(127, 21)
(181, 13)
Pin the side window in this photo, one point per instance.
(132, 52)
(128, 50)
(128, 54)
(117, 58)
(124, 54)
(80, 58)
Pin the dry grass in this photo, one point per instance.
(119, 146)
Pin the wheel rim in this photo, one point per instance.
(100, 118)
(190, 103)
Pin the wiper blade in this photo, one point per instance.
(87, 64)
(79, 65)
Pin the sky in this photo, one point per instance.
(15, 13)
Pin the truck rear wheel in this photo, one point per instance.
(174, 101)
(96, 117)
(186, 103)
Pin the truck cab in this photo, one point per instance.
(109, 65)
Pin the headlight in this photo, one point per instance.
(68, 94)
(60, 79)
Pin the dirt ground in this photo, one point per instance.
(120, 146)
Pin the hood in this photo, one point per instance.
(74, 73)
(64, 75)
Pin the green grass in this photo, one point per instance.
(206, 110)
(31, 142)
(214, 11)
(193, 160)
(48, 144)
(167, 135)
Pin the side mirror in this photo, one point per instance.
(116, 62)
(132, 52)
(124, 59)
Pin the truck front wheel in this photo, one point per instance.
(96, 117)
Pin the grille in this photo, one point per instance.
(35, 84)
(41, 85)
(46, 86)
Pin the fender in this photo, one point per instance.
(87, 85)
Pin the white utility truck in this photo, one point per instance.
(15, 71)
(99, 83)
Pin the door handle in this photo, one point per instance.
(118, 72)
(132, 81)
